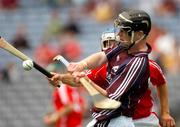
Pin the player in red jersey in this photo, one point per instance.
(143, 115)
(69, 104)
(69, 108)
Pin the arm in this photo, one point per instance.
(93, 61)
(65, 78)
(52, 118)
(166, 118)
(158, 79)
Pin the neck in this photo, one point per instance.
(140, 46)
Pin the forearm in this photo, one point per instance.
(94, 60)
(65, 111)
(163, 97)
(52, 118)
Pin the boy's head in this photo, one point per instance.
(132, 26)
(108, 39)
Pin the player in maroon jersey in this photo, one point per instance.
(128, 69)
(143, 114)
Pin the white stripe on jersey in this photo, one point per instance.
(128, 77)
(155, 65)
(63, 94)
(107, 112)
(131, 72)
(123, 80)
(135, 69)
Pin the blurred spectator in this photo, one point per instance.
(71, 50)
(178, 56)
(164, 50)
(159, 7)
(9, 4)
(167, 8)
(5, 72)
(44, 53)
(52, 3)
(103, 11)
(5, 75)
(69, 46)
(20, 40)
(89, 6)
(72, 24)
(57, 3)
(148, 6)
(116, 6)
(54, 27)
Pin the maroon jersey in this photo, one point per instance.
(127, 80)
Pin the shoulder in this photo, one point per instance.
(138, 60)
(154, 66)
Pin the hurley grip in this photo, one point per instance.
(42, 70)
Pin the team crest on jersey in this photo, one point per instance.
(113, 73)
(108, 78)
(114, 69)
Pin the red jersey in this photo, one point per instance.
(69, 95)
(145, 104)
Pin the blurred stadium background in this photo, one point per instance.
(41, 28)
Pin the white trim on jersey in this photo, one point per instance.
(63, 94)
(155, 65)
(133, 69)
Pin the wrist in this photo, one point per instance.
(164, 112)
(83, 65)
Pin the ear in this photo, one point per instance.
(139, 34)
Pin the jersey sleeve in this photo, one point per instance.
(114, 52)
(131, 74)
(156, 75)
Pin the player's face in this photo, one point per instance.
(124, 36)
(121, 32)
(108, 44)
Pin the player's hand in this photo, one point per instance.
(54, 80)
(67, 79)
(27, 65)
(50, 119)
(70, 79)
(167, 121)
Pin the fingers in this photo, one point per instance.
(168, 122)
(55, 79)
(79, 74)
(68, 79)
